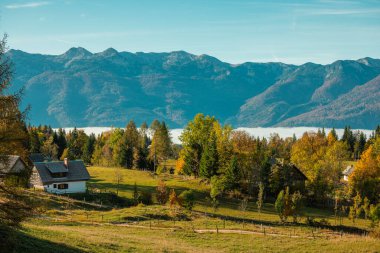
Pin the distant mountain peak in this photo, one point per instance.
(109, 52)
(75, 52)
(370, 62)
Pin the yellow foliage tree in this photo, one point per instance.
(366, 177)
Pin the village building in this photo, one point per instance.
(60, 177)
(12, 167)
(347, 172)
(290, 174)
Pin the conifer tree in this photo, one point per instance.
(232, 175)
(209, 161)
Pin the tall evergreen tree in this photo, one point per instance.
(88, 149)
(232, 175)
(34, 141)
(160, 148)
(141, 156)
(360, 143)
(61, 141)
(349, 138)
(209, 161)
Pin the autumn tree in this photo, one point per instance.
(332, 137)
(50, 149)
(366, 177)
(14, 206)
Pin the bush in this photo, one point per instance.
(162, 193)
(374, 214)
(375, 233)
(161, 169)
(310, 221)
(146, 198)
(187, 199)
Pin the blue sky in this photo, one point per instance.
(235, 31)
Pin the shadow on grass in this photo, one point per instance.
(340, 228)
(20, 242)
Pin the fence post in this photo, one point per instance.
(217, 229)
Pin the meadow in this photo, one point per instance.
(81, 225)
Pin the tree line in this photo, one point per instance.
(129, 147)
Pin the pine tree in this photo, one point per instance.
(61, 141)
(349, 138)
(129, 145)
(160, 148)
(377, 131)
(209, 161)
(34, 142)
(359, 146)
(232, 175)
(88, 149)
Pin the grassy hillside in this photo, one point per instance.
(78, 226)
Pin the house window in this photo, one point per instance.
(63, 186)
(54, 185)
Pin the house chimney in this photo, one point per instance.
(66, 162)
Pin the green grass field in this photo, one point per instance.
(78, 226)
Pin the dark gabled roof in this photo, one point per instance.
(37, 157)
(56, 167)
(296, 172)
(76, 171)
(299, 172)
(8, 162)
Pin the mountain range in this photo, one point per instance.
(80, 88)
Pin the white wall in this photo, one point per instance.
(74, 187)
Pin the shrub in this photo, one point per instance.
(280, 206)
(310, 221)
(187, 199)
(296, 205)
(161, 193)
(374, 214)
(161, 169)
(146, 198)
(283, 205)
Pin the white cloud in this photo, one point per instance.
(345, 12)
(26, 5)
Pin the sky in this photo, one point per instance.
(234, 31)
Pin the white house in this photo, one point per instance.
(60, 176)
(347, 172)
